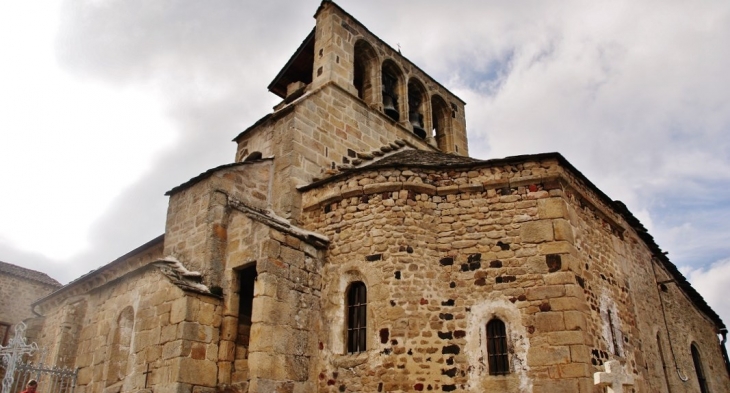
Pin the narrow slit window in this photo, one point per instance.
(497, 348)
(661, 357)
(4, 333)
(701, 379)
(246, 279)
(614, 341)
(356, 317)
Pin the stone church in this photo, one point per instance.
(353, 246)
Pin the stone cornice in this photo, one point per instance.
(99, 277)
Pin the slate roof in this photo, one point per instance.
(423, 158)
(297, 69)
(679, 278)
(207, 174)
(27, 274)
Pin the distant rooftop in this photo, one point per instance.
(27, 274)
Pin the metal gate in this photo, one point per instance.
(16, 373)
(50, 379)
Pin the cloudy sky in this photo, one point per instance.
(106, 104)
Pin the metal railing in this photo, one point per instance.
(50, 379)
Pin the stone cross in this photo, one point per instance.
(13, 354)
(614, 378)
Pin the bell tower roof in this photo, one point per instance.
(299, 68)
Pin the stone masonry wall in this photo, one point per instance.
(16, 296)
(174, 333)
(197, 215)
(336, 36)
(329, 125)
(443, 252)
(283, 334)
(616, 273)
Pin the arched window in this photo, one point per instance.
(416, 107)
(357, 311)
(366, 62)
(441, 120)
(121, 346)
(391, 78)
(497, 348)
(698, 368)
(253, 156)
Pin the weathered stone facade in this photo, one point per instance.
(19, 287)
(360, 179)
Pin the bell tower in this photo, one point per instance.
(348, 96)
(348, 54)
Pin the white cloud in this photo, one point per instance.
(712, 284)
(68, 146)
(114, 102)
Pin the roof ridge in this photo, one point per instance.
(363, 158)
(29, 274)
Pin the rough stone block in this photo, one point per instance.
(563, 230)
(147, 338)
(226, 350)
(575, 320)
(229, 328)
(180, 311)
(549, 322)
(548, 355)
(84, 376)
(545, 292)
(559, 278)
(536, 231)
(568, 303)
(552, 208)
(557, 247)
(195, 372)
(207, 314)
(575, 370)
(224, 372)
(297, 367)
(580, 354)
(378, 188)
(267, 365)
(566, 337)
(194, 331)
(176, 349)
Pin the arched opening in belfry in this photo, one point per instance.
(440, 121)
(392, 85)
(366, 63)
(121, 347)
(417, 104)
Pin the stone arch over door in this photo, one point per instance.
(120, 349)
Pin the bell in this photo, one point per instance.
(389, 106)
(416, 120)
